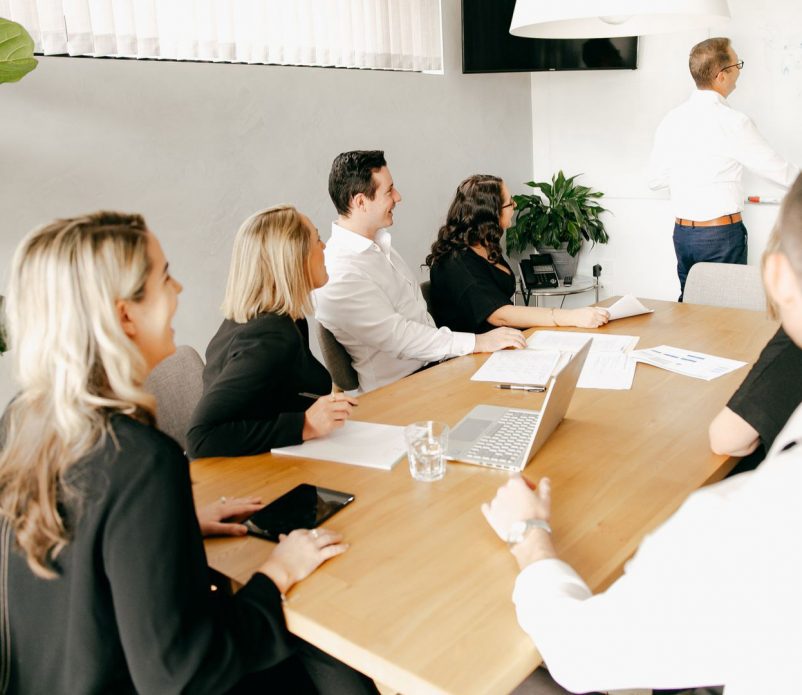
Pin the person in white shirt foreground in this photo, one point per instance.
(712, 597)
(372, 302)
(700, 151)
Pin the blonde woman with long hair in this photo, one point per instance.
(262, 387)
(107, 584)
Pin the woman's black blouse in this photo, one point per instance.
(466, 289)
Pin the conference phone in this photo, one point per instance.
(538, 272)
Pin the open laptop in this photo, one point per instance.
(508, 438)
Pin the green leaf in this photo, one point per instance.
(555, 213)
(16, 51)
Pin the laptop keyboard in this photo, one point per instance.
(507, 443)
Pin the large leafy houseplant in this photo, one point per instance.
(16, 51)
(563, 212)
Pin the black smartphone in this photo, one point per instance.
(306, 506)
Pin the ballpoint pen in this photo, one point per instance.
(516, 387)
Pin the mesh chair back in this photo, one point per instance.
(177, 384)
(337, 360)
(727, 285)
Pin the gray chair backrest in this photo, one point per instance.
(337, 360)
(725, 284)
(426, 291)
(177, 384)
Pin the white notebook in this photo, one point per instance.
(355, 443)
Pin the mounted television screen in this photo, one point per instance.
(488, 46)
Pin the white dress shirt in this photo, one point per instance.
(713, 597)
(373, 305)
(700, 151)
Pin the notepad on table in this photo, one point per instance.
(355, 443)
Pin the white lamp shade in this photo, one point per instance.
(588, 19)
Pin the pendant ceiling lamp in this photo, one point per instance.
(588, 19)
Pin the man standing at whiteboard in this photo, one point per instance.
(700, 150)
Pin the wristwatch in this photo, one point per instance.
(519, 529)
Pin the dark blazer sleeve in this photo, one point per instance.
(229, 420)
(771, 391)
(178, 637)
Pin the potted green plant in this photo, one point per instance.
(16, 51)
(556, 220)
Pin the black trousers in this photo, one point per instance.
(309, 671)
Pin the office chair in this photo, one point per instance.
(177, 384)
(337, 360)
(426, 291)
(727, 285)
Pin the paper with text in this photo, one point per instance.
(608, 370)
(565, 341)
(690, 363)
(524, 367)
(608, 365)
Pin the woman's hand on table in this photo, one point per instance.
(588, 317)
(223, 516)
(300, 553)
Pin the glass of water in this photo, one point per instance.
(427, 442)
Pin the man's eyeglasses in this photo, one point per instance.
(739, 65)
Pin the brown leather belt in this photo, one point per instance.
(724, 219)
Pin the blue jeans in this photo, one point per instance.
(725, 243)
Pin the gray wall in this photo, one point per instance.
(198, 147)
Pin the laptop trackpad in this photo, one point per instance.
(470, 429)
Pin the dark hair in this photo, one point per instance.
(473, 218)
(707, 59)
(352, 173)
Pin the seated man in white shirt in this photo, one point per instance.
(700, 150)
(710, 598)
(372, 302)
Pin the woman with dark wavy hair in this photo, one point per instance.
(472, 282)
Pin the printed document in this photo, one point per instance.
(627, 306)
(690, 363)
(608, 366)
(565, 341)
(356, 443)
(522, 367)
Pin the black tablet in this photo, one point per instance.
(305, 506)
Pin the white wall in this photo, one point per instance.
(198, 147)
(602, 124)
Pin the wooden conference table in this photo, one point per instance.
(421, 601)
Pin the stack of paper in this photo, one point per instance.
(608, 366)
(355, 443)
(695, 364)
